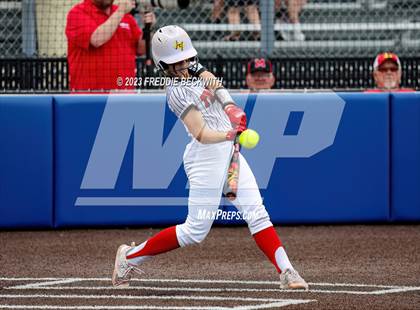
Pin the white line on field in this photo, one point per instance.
(150, 288)
(396, 290)
(178, 297)
(38, 285)
(198, 289)
(263, 306)
(273, 305)
(244, 282)
(151, 280)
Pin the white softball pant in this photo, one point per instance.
(206, 168)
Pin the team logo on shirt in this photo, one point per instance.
(179, 45)
(207, 97)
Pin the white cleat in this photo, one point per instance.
(290, 279)
(122, 269)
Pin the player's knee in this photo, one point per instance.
(195, 236)
(199, 237)
(188, 234)
(258, 220)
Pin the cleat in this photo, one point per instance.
(290, 279)
(122, 269)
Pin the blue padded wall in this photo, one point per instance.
(26, 156)
(346, 182)
(405, 141)
(77, 122)
(50, 177)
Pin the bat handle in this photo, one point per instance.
(233, 173)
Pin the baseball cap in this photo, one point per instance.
(259, 65)
(381, 58)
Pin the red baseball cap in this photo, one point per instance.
(381, 58)
(259, 65)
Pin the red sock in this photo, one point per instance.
(268, 241)
(162, 242)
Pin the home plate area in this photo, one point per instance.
(97, 293)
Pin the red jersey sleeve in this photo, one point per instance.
(79, 28)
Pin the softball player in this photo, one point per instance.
(212, 120)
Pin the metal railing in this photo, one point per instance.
(50, 75)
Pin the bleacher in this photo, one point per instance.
(332, 28)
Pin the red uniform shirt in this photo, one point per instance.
(99, 68)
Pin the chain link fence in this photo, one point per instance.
(313, 44)
(240, 28)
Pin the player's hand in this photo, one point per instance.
(149, 18)
(231, 135)
(195, 69)
(237, 117)
(125, 6)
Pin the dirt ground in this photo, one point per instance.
(348, 267)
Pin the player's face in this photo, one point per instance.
(103, 4)
(180, 69)
(260, 80)
(388, 75)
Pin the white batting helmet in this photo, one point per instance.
(171, 44)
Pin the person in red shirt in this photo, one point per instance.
(103, 41)
(387, 74)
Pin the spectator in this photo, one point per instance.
(103, 41)
(387, 73)
(294, 7)
(260, 74)
(233, 15)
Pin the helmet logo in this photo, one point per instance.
(179, 45)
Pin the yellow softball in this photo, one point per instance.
(249, 139)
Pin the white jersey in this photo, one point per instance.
(182, 98)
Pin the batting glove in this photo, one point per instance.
(237, 117)
(196, 69)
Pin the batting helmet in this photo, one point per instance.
(171, 44)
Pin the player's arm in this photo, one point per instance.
(104, 32)
(197, 127)
(236, 115)
(212, 83)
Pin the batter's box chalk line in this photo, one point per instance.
(57, 284)
(62, 284)
(246, 286)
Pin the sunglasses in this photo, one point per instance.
(384, 70)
